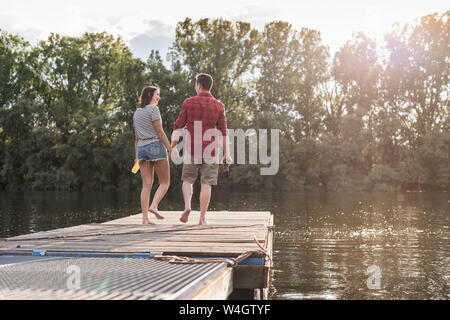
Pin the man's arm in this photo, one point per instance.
(176, 134)
(179, 125)
(222, 126)
(135, 143)
(226, 150)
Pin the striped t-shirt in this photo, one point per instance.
(143, 123)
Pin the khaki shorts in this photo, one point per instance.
(208, 173)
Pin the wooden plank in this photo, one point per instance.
(210, 215)
(224, 249)
(103, 242)
(220, 237)
(228, 236)
(131, 244)
(269, 242)
(235, 247)
(147, 231)
(268, 265)
(172, 217)
(123, 239)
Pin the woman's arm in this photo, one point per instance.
(135, 144)
(157, 124)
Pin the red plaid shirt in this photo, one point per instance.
(205, 108)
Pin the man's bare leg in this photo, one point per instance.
(187, 195)
(205, 196)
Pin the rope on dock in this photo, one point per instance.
(263, 250)
(231, 261)
(188, 260)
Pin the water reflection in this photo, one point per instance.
(340, 238)
(324, 243)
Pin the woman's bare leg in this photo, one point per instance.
(147, 182)
(163, 171)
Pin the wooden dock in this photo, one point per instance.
(227, 235)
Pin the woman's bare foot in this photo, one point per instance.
(202, 221)
(185, 216)
(156, 213)
(146, 220)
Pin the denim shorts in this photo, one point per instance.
(152, 152)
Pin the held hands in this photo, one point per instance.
(173, 154)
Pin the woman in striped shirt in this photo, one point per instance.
(151, 148)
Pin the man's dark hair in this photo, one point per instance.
(205, 80)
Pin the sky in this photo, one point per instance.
(146, 24)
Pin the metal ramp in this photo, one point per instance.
(91, 278)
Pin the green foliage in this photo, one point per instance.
(433, 160)
(382, 177)
(224, 50)
(357, 120)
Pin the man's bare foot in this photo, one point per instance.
(185, 216)
(202, 222)
(156, 213)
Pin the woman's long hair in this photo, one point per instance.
(147, 96)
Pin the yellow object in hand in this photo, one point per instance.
(135, 167)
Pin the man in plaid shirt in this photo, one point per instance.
(200, 114)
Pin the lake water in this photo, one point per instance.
(326, 245)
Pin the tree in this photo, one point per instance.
(417, 73)
(356, 69)
(224, 50)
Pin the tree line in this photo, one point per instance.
(372, 116)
